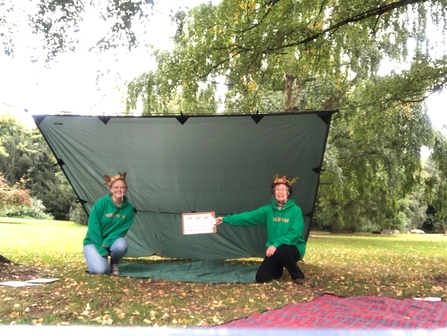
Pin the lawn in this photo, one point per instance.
(397, 266)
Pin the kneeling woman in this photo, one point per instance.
(109, 221)
(285, 225)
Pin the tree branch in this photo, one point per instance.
(359, 17)
(236, 49)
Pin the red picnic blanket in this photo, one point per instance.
(361, 312)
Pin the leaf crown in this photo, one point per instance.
(110, 180)
(284, 180)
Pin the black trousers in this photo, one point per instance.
(272, 267)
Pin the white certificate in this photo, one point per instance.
(198, 223)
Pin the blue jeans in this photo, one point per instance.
(99, 264)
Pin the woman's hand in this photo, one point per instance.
(270, 251)
(219, 220)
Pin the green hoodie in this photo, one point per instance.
(108, 222)
(284, 226)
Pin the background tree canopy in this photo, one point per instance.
(28, 165)
(284, 55)
(375, 61)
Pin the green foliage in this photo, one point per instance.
(161, 95)
(297, 55)
(372, 162)
(281, 55)
(440, 176)
(51, 186)
(257, 46)
(414, 208)
(15, 201)
(36, 210)
(434, 225)
(15, 196)
(20, 145)
(436, 186)
(30, 160)
(77, 214)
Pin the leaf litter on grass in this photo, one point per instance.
(345, 266)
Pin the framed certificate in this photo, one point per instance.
(198, 223)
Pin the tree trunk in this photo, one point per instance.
(334, 226)
(293, 89)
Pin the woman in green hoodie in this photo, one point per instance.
(108, 223)
(285, 225)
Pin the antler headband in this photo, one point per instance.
(110, 180)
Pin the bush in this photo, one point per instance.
(434, 225)
(35, 211)
(77, 214)
(16, 196)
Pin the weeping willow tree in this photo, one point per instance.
(285, 55)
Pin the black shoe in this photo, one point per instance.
(299, 281)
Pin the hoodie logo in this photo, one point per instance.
(280, 219)
(115, 215)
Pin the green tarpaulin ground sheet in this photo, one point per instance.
(207, 271)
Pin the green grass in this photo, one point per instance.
(397, 266)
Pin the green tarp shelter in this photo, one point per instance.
(198, 163)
